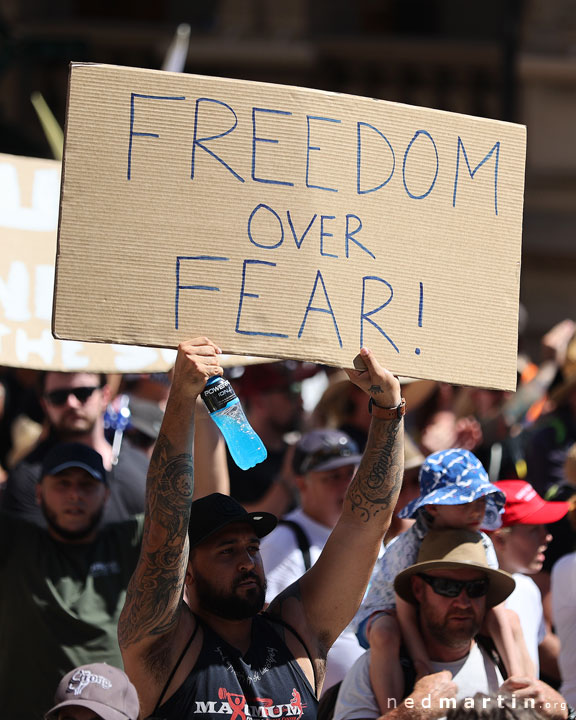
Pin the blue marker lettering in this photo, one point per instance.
(416, 135)
(244, 294)
(311, 308)
(359, 159)
(495, 150)
(350, 235)
(324, 233)
(421, 304)
(200, 141)
(143, 134)
(297, 240)
(367, 315)
(264, 140)
(259, 244)
(314, 147)
(209, 288)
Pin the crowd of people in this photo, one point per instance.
(407, 549)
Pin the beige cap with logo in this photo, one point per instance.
(100, 687)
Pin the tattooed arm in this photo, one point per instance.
(154, 598)
(325, 599)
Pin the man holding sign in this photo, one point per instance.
(217, 653)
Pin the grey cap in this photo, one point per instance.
(145, 416)
(320, 450)
(100, 687)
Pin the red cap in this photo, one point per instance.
(525, 507)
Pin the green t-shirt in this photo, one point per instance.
(59, 608)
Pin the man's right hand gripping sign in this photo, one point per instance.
(217, 654)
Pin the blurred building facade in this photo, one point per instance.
(511, 60)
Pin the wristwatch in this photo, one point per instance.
(393, 413)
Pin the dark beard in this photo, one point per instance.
(452, 638)
(74, 434)
(71, 535)
(230, 606)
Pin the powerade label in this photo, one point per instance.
(218, 395)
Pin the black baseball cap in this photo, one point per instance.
(325, 449)
(74, 455)
(213, 512)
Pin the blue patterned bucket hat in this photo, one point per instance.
(456, 477)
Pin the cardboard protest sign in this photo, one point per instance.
(288, 222)
(29, 200)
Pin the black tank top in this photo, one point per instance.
(266, 682)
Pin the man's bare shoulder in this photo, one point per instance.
(304, 644)
(287, 608)
(149, 668)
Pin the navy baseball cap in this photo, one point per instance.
(320, 450)
(215, 511)
(74, 455)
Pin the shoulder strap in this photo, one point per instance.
(487, 644)
(301, 538)
(408, 671)
(176, 666)
(327, 703)
(287, 626)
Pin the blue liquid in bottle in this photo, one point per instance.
(246, 448)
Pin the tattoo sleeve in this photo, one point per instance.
(155, 590)
(377, 483)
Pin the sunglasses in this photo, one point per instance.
(452, 588)
(59, 397)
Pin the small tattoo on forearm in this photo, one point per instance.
(379, 478)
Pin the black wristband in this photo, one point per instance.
(393, 413)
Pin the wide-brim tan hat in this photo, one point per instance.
(413, 458)
(455, 550)
(416, 391)
(561, 392)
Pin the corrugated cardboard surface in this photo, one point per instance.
(287, 222)
(29, 200)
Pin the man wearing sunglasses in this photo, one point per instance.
(452, 586)
(74, 406)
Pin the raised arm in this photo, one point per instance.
(154, 597)
(325, 599)
(210, 465)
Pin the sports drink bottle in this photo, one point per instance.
(246, 448)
